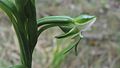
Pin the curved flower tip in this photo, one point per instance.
(80, 34)
(82, 19)
(87, 25)
(84, 23)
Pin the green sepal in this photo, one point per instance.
(76, 50)
(65, 29)
(73, 45)
(43, 28)
(70, 33)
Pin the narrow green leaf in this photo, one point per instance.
(8, 7)
(30, 12)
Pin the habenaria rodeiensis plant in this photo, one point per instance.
(22, 14)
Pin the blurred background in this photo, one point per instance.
(99, 49)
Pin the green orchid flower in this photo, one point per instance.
(70, 26)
